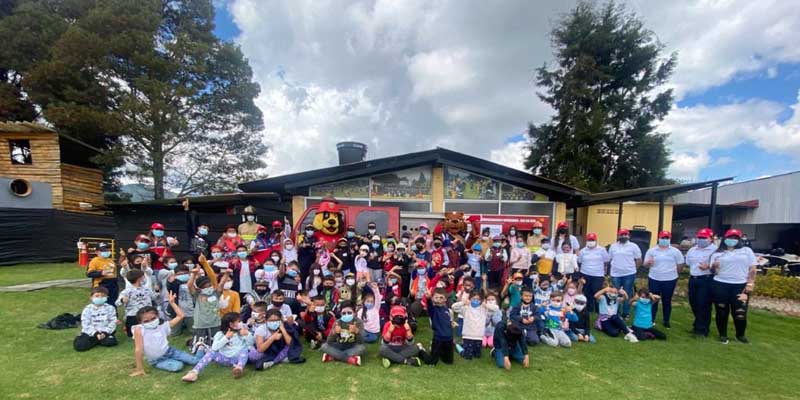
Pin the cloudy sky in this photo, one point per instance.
(411, 75)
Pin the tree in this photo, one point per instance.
(605, 88)
(150, 81)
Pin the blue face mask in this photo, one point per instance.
(347, 317)
(292, 273)
(270, 268)
(731, 242)
(495, 245)
(172, 265)
(376, 245)
(142, 245)
(520, 245)
(158, 233)
(537, 231)
(105, 254)
(351, 234)
(392, 281)
(703, 242)
(420, 272)
(663, 242)
(644, 301)
(183, 278)
(369, 306)
(273, 325)
(202, 231)
(475, 303)
(99, 300)
(242, 254)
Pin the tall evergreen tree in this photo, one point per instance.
(606, 89)
(149, 80)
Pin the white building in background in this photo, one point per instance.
(766, 209)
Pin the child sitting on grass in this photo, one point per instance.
(151, 341)
(98, 322)
(493, 321)
(509, 344)
(556, 315)
(525, 316)
(397, 346)
(643, 303)
(581, 329)
(276, 341)
(317, 322)
(369, 313)
(229, 300)
(134, 298)
(609, 321)
(230, 347)
(345, 342)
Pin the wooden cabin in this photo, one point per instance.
(39, 168)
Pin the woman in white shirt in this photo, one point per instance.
(562, 235)
(593, 260)
(663, 261)
(625, 258)
(734, 269)
(698, 258)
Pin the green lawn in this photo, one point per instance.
(42, 364)
(29, 273)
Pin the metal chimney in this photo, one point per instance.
(351, 152)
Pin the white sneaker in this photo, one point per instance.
(631, 338)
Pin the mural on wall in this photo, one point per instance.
(510, 192)
(463, 185)
(353, 189)
(409, 184)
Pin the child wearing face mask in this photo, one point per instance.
(206, 296)
(317, 322)
(492, 321)
(98, 322)
(609, 321)
(463, 296)
(135, 298)
(229, 300)
(276, 342)
(643, 303)
(289, 282)
(330, 293)
(169, 262)
(571, 291)
(534, 241)
(520, 256)
(525, 315)
(314, 281)
(556, 315)
(230, 347)
(268, 273)
(230, 241)
(567, 262)
(345, 342)
(260, 293)
(288, 251)
(349, 290)
(361, 262)
(369, 312)
(496, 258)
(512, 290)
(103, 272)
(442, 326)
(176, 285)
(543, 258)
(398, 338)
(475, 314)
(151, 341)
(580, 330)
(277, 302)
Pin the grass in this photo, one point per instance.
(42, 364)
(29, 273)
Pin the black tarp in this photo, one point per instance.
(42, 235)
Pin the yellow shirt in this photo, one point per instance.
(105, 265)
(234, 304)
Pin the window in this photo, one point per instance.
(20, 151)
(526, 209)
(464, 185)
(20, 187)
(472, 207)
(413, 206)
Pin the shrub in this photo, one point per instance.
(775, 285)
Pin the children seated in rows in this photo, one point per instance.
(345, 342)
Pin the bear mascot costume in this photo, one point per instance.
(453, 227)
(328, 222)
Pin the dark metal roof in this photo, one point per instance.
(225, 198)
(650, 193)
(299, 182)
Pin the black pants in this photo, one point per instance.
(592, 286)
(665, 289)
(649, 333)
(700, 300)
(113, 290)
(85, 342)
(495, 278)
(129, 323)
(726, 301)
(472, 349)
(614, 326)
(440, 350)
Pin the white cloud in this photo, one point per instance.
(686, 166)
(410, 75)
(512, 155)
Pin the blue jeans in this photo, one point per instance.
(574, 337)
(174, 359)
(626, 282)
(515, 355)
(370, 337)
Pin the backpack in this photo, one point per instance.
(63, 321)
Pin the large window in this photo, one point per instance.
(352, 189)
(20, 151)
(409, 184)
(414, 206)
(464, 185)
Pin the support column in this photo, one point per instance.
(660, 214)
(712, 218)
(619, 217)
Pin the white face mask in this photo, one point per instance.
(228, 285)
(276, 259)
(546, 246)
(350, 282)
(151, 324)
(580, 307)
(591, 244)
(251, 218)
(231, 234)
(289, 247)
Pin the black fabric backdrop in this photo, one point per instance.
(46, 235)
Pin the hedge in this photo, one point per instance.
(775, 285)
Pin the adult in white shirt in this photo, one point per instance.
(626, 256)
(734, 269)
(698, 258)
(663, 261)
(592, 260)
(562, 235)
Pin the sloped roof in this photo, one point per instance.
(23, 127)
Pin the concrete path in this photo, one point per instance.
(29, 287)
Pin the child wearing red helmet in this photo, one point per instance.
(398, 340)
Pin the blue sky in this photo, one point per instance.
(382, 72)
